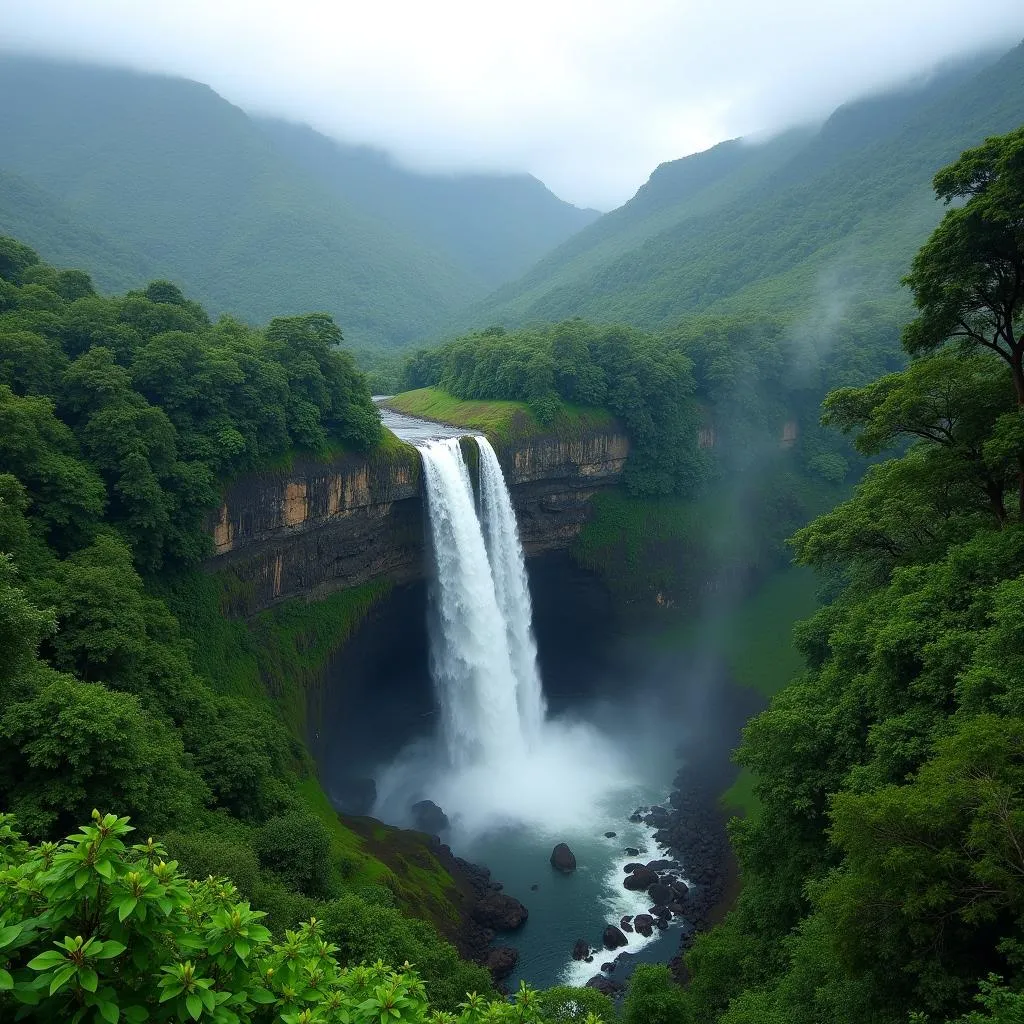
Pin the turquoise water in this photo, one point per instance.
(567, 907)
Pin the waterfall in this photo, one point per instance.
(469, 649)
(482, 652)
(510, 584)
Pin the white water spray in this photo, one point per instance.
(502, 760)
(470, 660)
(511, 588)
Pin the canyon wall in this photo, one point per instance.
(319, 526)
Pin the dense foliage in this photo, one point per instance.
(118, 419)
(700, 402)
(882, 875)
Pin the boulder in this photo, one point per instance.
(644, 924)
(428, 817)
(680, 888)
(534, 887)
(661, 865)
(563, 859)
(613, 938)
(632, 866)
(501, 962)
(626, 926)
(604, 985)
(581, 950)
(608, 967)
(678, 910)
(626, 918)
(661, 893)
(632, 851)
(609, 835)
(641, 879)
(500, 912)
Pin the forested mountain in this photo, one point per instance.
(194, 189)
(493, 227)
(784, 226)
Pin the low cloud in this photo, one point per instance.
(588, 95)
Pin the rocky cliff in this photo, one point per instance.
(319, 526)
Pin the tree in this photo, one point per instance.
(968, 278)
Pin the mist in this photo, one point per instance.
(588, 97)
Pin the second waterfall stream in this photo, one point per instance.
(483, 655)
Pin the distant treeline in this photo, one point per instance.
(697, 401)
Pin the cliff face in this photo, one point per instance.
(321, 526)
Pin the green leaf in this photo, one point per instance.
(136, 1014)
(9, 934)
(61, 977)
(261, 995)
(6, 981)
(46, 960)
(110, 949)
(105, 869)
(87, 979)
(81, 877)
(109, 1012)
(242, 948)
(127, 905)
(195, 1006)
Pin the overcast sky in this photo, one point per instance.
(588, 95)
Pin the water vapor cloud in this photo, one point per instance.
(588, 95)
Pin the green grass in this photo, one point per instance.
(499, 419)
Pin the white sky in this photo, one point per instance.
(588, 95)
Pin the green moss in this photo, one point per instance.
(276, 655)
(502, 421)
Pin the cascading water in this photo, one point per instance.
(477, 675)
(511, 588)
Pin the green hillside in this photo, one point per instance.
(788, 225)
(253, 218)
(493, 227)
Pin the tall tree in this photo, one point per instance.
(968, 278)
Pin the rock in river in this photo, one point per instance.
(581, 950)
(613, 938)
(500, 912)
(501, 962)
(563, 859)
(642, 878)
(644, 924)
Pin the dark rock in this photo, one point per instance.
(678, 910)
(563, 859)
(632, 866)
(534, 887)
(680, 888)
(428, 817)
(661, 893)
(626, 918)
(661, 865)
(608, 967)
(642, 878)
(581, 949)
(626, 927)
(613, 938)
(644, 924)
(609, 835)
(636, 818)
(632, 851)
(659, 911)
(589, 958)
(353, 796)
(500, 912)
(501, 962)
(604, 985)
